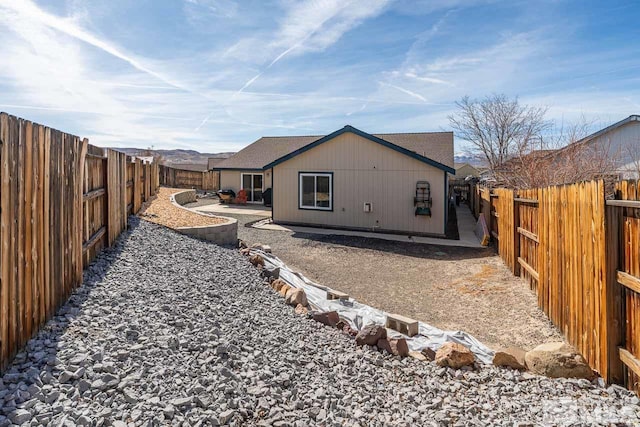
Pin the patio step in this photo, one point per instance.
(402, 324)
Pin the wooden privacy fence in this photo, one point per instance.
(624, 216)
(580, 253)
(62, 200)
(181, 178)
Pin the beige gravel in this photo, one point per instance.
(161, 211)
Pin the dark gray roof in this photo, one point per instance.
(437, 146)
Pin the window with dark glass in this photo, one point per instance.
(316, 191)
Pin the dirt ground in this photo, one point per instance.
(452, 288)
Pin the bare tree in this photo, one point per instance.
(498, 127)
(632, 155)
(560, 156)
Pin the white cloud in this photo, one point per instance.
(428, 79)
(311, 25)
(306, 26)
(406, 91)
(25, 15)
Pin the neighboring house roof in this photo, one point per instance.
(465, 169)
(515, 162)
(435, 148)
(631, 118)
(560, 151)
(214, 161)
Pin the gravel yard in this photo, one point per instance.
(452, 288)
(161, 211)
(169, 330)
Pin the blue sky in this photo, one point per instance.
(215, 75)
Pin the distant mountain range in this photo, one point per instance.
(185, 158)
(176, 157)
(467, 157)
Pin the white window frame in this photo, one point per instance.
(242, 174)
(315, 175)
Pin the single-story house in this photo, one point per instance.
(464, 170)
(213, 161)
(621, 143)
(349, 179)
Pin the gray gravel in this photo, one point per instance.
(168, 330)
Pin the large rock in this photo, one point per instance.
(256, 260)
(329, 318)
(296, 296)
(284, 289)
(454, 355)
(429, 354)
(397, 347)
(371, 334)
(278, 284)
(511, 358)
(273, 273)
(558, 360)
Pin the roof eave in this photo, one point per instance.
(631, 118)
(368, 136)
(218, 169)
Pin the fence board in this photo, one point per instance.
(180, 178)
(559, 239)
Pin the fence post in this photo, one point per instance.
(516, 235)
(105, 211)
(84, 147)
(614, 294)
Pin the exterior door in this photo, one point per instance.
(252, 183)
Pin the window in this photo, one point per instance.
(316, 191)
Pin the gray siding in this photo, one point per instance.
(623, 144)
(363, 171)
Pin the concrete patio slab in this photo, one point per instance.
(218, 208)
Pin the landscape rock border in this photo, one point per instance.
(450, 354)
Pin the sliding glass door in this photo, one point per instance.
(253, 183)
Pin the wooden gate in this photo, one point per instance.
(624, 215)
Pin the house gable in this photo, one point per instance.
(367, 136)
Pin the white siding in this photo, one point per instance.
(623, 144)
(363, 171)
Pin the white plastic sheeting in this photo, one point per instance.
(359, 315)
